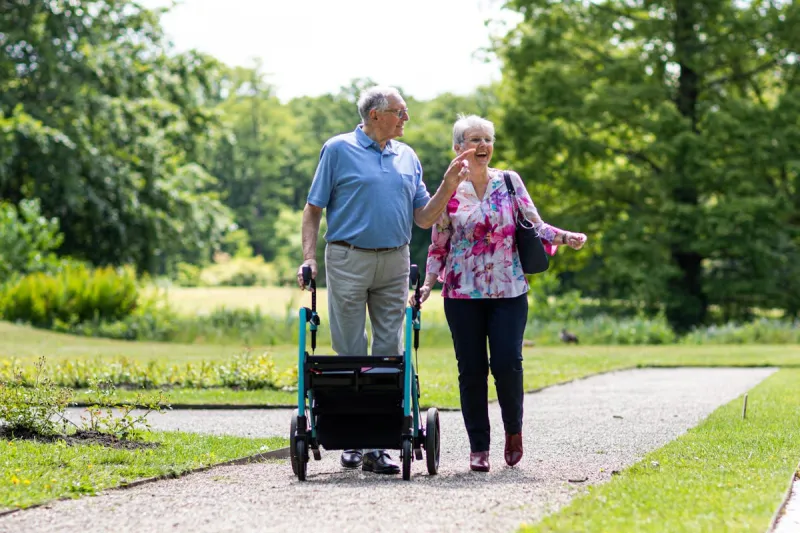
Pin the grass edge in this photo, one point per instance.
(279, 453)
(781, 510)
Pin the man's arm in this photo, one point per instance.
(427, 215)
(312, 216)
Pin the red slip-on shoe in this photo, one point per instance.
(513, 452)
(479, 461)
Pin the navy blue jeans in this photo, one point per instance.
(502, 322)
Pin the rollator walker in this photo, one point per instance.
(359, 401)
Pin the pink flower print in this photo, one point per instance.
(452, 205)
(486, 238)
(453, 280)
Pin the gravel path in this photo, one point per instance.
(579, 431)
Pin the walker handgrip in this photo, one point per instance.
(414, 275)
(306, 274)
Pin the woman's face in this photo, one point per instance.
(482, 141)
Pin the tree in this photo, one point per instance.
(106, 128)
(670, 131)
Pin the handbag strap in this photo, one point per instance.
(519, 217)
(512, 193)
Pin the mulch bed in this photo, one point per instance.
(77, 438)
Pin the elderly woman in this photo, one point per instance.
(474, 255)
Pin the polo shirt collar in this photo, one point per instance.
(366, 142)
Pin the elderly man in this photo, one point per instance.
(372, 189)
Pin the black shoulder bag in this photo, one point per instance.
(529, 245)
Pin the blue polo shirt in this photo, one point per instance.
(369, 195)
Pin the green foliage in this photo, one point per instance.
(245, 371)
(32, 403)
(108, 127)
(605, 330)
(664, 130)
(188, 275)
(73, 296)
(621, 117)
(760, 331)
(124, 421)
(236, 244)
(546, 303)
(238, 272)
(289, 248)
(27, 239)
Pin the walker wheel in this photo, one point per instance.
(302, 460)
(406, 453)
(432, 441)
(293, 442)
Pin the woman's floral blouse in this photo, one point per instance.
(472, 244)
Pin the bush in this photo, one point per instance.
(761, 331)
(27, 240)
(108, 416)
(31, 405)
(188, 275)
(245, 371)
(605, 330)
(73, 296)
(238, 272)
(33, 400)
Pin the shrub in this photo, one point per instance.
(33, 400)
(760, 331)
(245, 371)
(124, 421)
(27, 239)
(75, 295)
(238, 272)
(188, 275)
(606, 330)
(32, 405)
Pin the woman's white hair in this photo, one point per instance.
(376, 97)
(467, 122)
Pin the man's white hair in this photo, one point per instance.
(467, 122)
(377, 98)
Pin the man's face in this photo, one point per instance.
(390, 122)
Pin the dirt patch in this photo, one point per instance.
(78, 438)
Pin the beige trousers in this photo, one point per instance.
(359, 281)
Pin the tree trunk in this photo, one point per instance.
(687, 305)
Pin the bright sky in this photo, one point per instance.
(312, 47)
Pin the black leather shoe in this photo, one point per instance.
(380, 463)
(351, 458)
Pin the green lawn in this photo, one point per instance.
(28, 344)
(437, 369)
(727, 474)
(34, 472)
(724, 460)
(271, 300)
